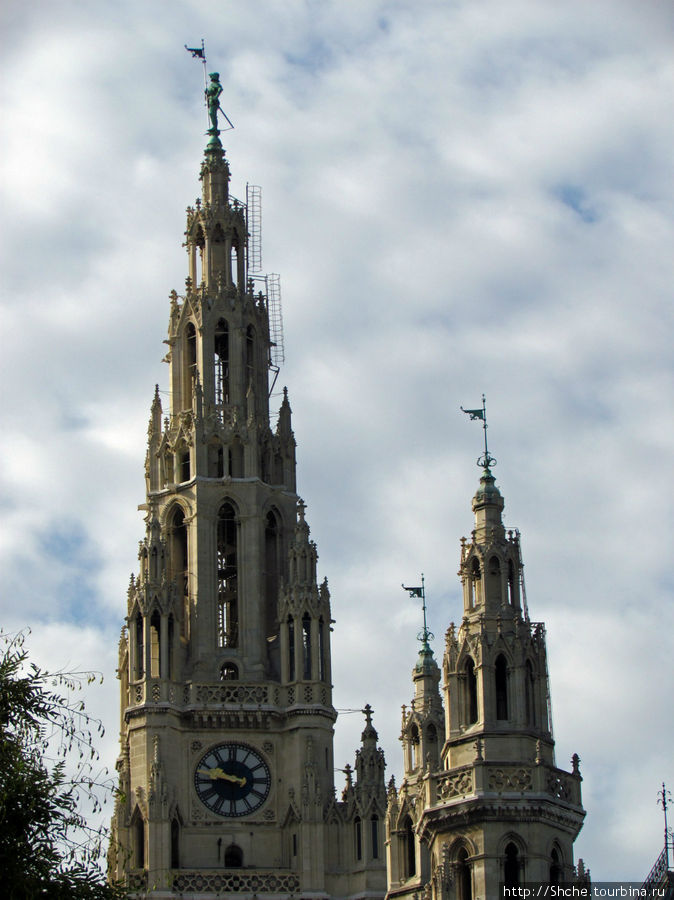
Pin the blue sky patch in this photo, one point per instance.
(575, 198)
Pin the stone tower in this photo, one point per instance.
(482, 801)
(226, 762)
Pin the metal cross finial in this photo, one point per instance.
(487, 460)
(425, 635)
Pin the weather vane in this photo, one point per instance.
(212, 91)
(664, 798)
(487, 460)
(425, 635)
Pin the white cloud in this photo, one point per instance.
(460, 198)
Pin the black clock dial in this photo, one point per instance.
(232, 780)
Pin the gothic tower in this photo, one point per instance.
(226, 764)
(491, 806)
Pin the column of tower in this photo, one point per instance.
(493, 807)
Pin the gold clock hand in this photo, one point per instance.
(217, 773)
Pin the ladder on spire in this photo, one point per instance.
(277, 354)
(254, 226)
(272, 282)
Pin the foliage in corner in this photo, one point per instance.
(49, 774)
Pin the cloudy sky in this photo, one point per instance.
(461, 197)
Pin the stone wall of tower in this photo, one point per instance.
(494, 806)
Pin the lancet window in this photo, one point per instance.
(501, 684)
(155, 645)
(511, 582)
(189, 364)
(140, 646)
(464, 876)
(471, 692)
(227, 574)
(555, 867)
(476, 581)
(321, 650)
(171, 638)
(511, 866)
(410, 857)
(221, 363)
(175, 844)
(306, 647)
(271, 574)
(530, 706)
(179, 558)
(291, 648)
(359, 837)
(374, 835)
(184, 464)
(250, 355)
(138, 829)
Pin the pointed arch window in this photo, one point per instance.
(359, 837)
(175, 844)
(234, 261)
(155, 645)
(190, 364)
(154, 568)
(501, 683)
(306, 647)
(250, 355)
(477, 580)
(184, 464)
(138, 841)
(139, 646)
(171, 638)
(511, 582)
(272, 574)
(227, 574)
(229, 672)
(464, 876)
(471, 692)
(218, 260)
(233, 857)
(221, 363)
(529, 702)
(291, 649)
(178, 537)
(374, 835)
(511, 866)
(321, 650)
(416, 744)
(200, 244)
(555, 867)
(410, 855)
(168, 467)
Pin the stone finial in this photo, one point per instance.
(478, 750)
(575, 764)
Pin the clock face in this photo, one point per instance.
(232, 780)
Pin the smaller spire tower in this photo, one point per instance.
(493, 807)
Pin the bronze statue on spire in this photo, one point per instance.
(212, 92)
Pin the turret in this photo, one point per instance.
(304, 613)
